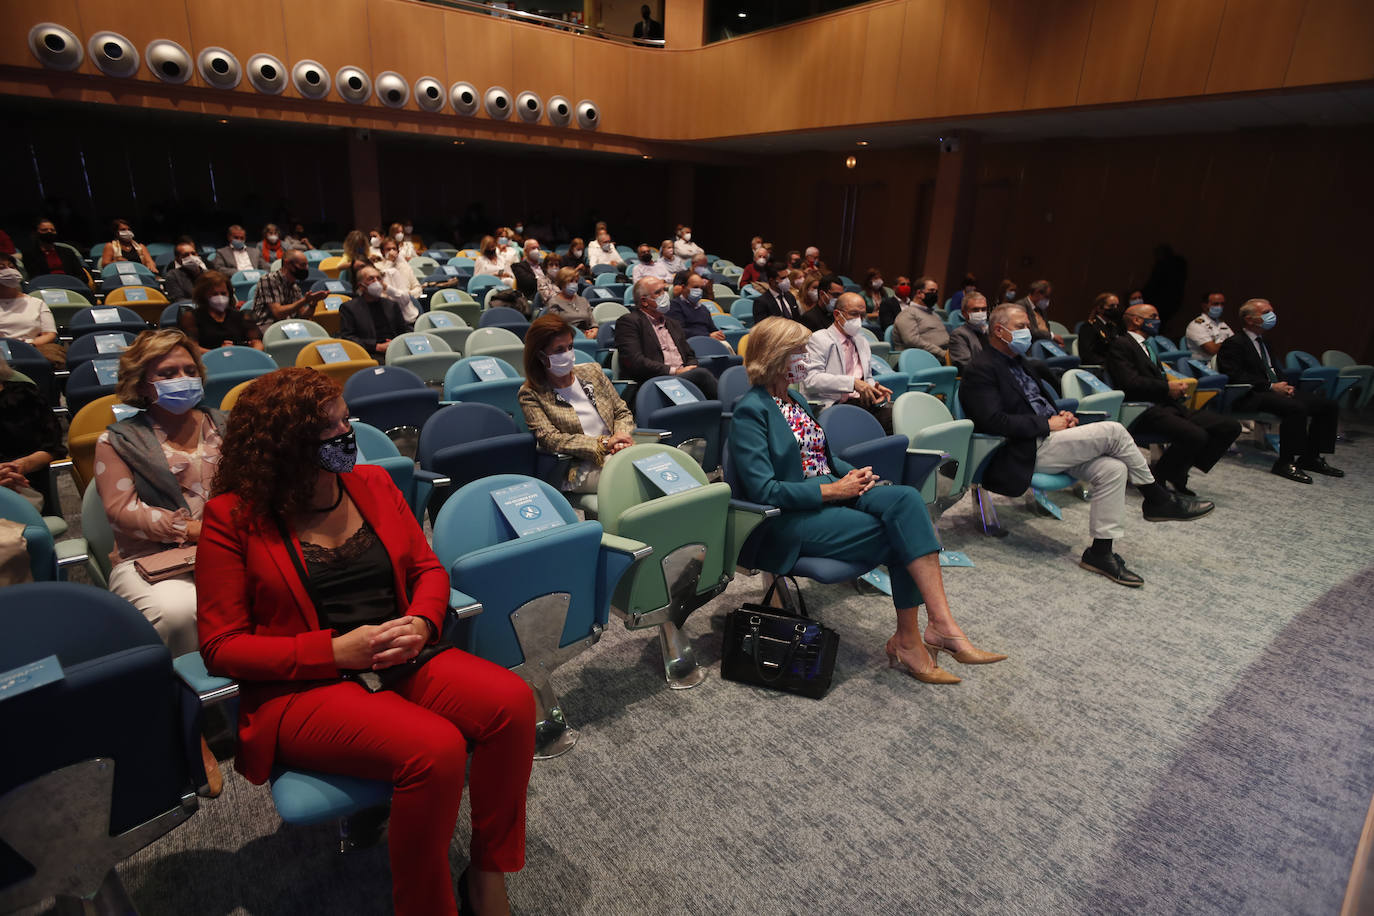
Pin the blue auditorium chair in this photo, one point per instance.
(463, 382)
(922, 366)
(96, 319)
(26, 358)
(713, 355)
(417, 485)
(467, 441)
(226, 367)
(393, 399)
(694, 427)
(87, 347)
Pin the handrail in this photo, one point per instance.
(477, 6)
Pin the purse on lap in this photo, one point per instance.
(167, 564)
(769, 647)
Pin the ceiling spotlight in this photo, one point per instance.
(457, 142)
(861, 143)
(850, 162)
(224, 120)
(647, 156)
(742, 14)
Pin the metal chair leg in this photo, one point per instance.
(538, 627)
(987, 512)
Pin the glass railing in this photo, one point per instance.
(733, 18)
(498, 10)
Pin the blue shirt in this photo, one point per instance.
(1029, 386)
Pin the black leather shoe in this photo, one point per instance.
(1180, 487)
(1289, 470)
(1319, 465)
(1177, 509)
(1112, 566)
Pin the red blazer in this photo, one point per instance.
(257, 624)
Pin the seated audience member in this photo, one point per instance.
(417, 244)
(703, 269)
(186, 267)
(839, 363)
(374, 243)
(808, 295)
(1136, 298)
(271, 247)
(776, 298)
(404, 247)
(1037, 304)
(688, 310)
(828, 290)
(892, 306)
(576, 257)
(603, 252)
(356, 248)
(30, 438)
(237, 256)
(1307, 428)
(320, 595)
(298, 240)
(213, 321)
(1197, 438)
(1207, 331)
(123, 248)
(646, 266)
(572, 308)
(529, 278)
(1001, 394)
(46, 256)
(1006, 293)
(1102, 327)
(399, 279)
(571, 409)
(812, 260)
(491, 263)
(646, 27)
(370, 319)
(919, 328)
(517, 234)
(153, 473)
(754, 270)
(794, 260)
(279, 295)
(956, 301)
(652, 344)
(873, 295)
(683, 247)
(668, 263)
(507, 248)
(780, 457)
(968, 339)
(27, 318)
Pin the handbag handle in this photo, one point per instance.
(801, 601)
(756, 631)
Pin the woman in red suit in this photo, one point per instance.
(318, 592)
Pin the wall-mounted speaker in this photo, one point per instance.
(429, 93)
(588, 115)
(560, 111)
(219, 68)
(311, 79)
(266, 74)
(56, 46)
(463, 97)
(353, 84)
(497, 102)
(530, 107)
(113, 54)
(168, 61)
(392, 89)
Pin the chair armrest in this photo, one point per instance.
(60, 464)
(211, 688)
(920, 464)
(647, 434)
(1069, 404)
(1131, 411)
(981, 448)
(740, 521)
(1091, 416)
(763, 510)
(615, 558)
(433, 479)
(461, 605)
(636, 550)
(71, 552)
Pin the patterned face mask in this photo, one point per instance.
(340, 453)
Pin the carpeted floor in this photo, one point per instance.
(1202, 745)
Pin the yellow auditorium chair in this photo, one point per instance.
(85, 429)
(145, 300)
(330, 267)
(356, 358)
(327, 314)
(231, 397)
(743, 343)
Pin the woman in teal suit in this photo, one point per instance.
(830, 509)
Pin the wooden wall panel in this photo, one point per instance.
(961, 56)
(600, 75)
(1182, 41)
(881, 60)
(345, 24)
(480, 50)
(14, 51)
(139, 23)
(1056, 63)
(1007, 54)
(1334, 43)
(922, 32)
(256, 28)
(407, 38)
(1254, 44)
(1116, 51)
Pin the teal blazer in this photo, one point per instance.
(765, 460)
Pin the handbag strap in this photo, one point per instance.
(756, 631)
(801, 602)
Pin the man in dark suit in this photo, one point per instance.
(1197, 439)
(777, 299)
(652, 344)
(821, 315)
(647, 27)
(369, 319)
(1307, 427)
(1036, 303)
(238, 255)
(1001, 393)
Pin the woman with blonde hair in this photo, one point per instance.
(830, 509)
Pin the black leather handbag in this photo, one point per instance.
(770, 647)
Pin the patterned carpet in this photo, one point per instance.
(1204, 744)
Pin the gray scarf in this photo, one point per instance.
(135, 442)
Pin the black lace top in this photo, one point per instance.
(353, 582)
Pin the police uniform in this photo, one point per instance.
(1204, 329)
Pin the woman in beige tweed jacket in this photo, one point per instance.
(571, 409)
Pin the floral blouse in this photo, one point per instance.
(809, 435)
(140, 529)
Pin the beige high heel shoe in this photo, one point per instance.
(932, 675)
(969, 656)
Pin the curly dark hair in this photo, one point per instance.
(269, 454)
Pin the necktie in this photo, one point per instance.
(1268, 363)
(782, 306)
(1153, 347)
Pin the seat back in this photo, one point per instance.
(500, 316)
(608, 311)
(228, 360)
(90, 346)
(699, 420)
(480, 282)
(1338, 358)
(106, 318)
(37, 537)
(95, 528)
(85, 384)
(284, 340)
(734, 382)
(471, 440)
(915, 360)
(743, 311)
(1300, 359)
(928, 424)
(310, 353)
(857, 437)
(86, 427)
(499, 343)
(382, 380)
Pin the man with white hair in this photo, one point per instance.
(839, 363)
(529, 279)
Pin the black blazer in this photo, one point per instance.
(641, 357)
(1135, 373)
(1240, 362)
(36, 263)
(525, 283)
(993, 400)
(765, 306)
(1093, 340)
(818, 318)
(355, 323)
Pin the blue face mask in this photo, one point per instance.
(1020, 341)
(178, 395)
(694, 293)
(1150, 328)
(701, 271)
(1214, 311)
(340, 453)
(1269, 320)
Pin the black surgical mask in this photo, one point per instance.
(930, 298)
(301, 272)
(646, 257)
(47, 238)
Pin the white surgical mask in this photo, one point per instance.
(812, 295)
(178, 395)
(561, 363)
(686, 236)
(399, 237)
(1137, 301)
(519, 230)
(576, 252)
(661, 300)
(978, 319)
(219, 302)
(374, 288)
(533, 255)
(877, 283)
(796, 368)
(193, 262)
(271, 240)
(374, 241)
(570, 290)
(605, 246)
(126, 234)
(852, 326)
(784, 285)
(237, 244)
(11, 278)
(1010, 295)
(759, 262)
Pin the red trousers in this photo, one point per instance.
(416, 737)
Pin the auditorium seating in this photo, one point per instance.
(356, 358)
(694, 427)
(227, 367)
(393, 399)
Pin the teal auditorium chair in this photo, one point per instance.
(87, 347)
(284, 340)
(103, 760)
(1093, 394)
(431, 364)
(921, 366)
(501, 343)
(48, 559)
(226, 367)
(695, 535)
(695, 426)
(97, 319)
(417, 485)
(467, 441)
(930, 425)
(393, 399)
(546, 595)
(463, 383)
(1363, 375)
(713, 355)
(1313, 375)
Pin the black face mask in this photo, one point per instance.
(646, 257)
(47, 238)
(930, 298)
(301, 272)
